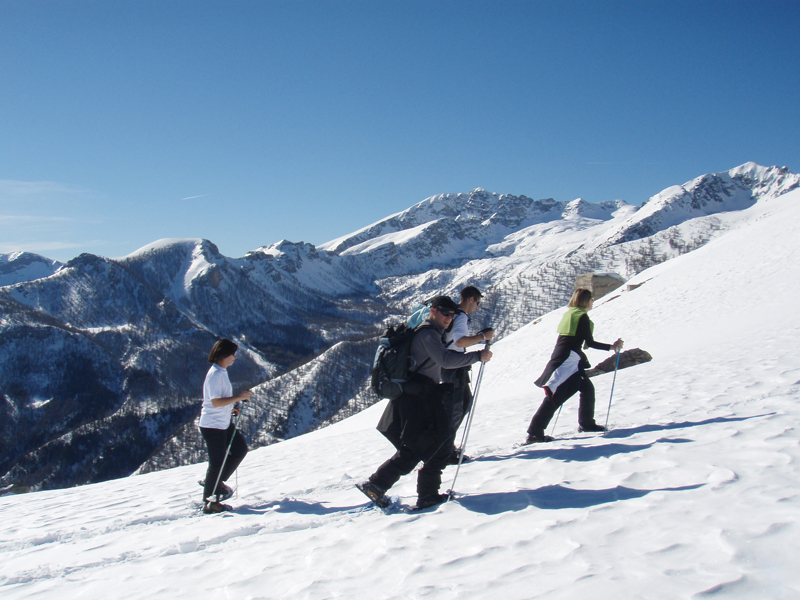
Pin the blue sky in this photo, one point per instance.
(250, 122)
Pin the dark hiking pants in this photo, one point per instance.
(578, 382)
(462, 395)
(429, 479)
(217, 441)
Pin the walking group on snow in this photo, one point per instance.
(427, 402)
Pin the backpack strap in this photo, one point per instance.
(450, 327)
(424, 362)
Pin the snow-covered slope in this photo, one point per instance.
(693, 494)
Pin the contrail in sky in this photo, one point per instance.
(193, 197)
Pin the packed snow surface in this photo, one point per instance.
(692, 494)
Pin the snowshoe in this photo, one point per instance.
(374, 493)
(212, 507)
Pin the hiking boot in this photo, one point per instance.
(223, 492)
(212, 507)
(374, 493)
(591, 428)
(537, 439)
(430, 500)
(455, 456)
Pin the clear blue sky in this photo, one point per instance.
(122, 122)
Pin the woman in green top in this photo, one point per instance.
(565, 373)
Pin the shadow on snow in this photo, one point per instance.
(582, 453)
(595, 450)
(551, 497)
(622, 433)
(555, 497)
(300, 507)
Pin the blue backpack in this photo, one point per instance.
(418, 314)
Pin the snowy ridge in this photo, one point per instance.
(471, 219)
(734, 190)
(16, 267)
(692, 494)
(455, 228)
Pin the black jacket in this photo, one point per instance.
(418, 419)
(572, 343)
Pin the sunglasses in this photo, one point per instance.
(444, 312)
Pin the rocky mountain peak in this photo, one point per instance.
(713, 193)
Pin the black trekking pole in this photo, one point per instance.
(227, 452)
(608, 412)
(465, 435)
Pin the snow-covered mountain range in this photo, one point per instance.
(693, 493)
(102, 359)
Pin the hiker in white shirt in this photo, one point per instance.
(216, 426)
(458, 338)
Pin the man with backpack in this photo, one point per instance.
(457, 338)
(416, 422)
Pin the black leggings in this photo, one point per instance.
(578, 382)
(217, 441)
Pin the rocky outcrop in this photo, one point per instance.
(599, 284)
(627, 358)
